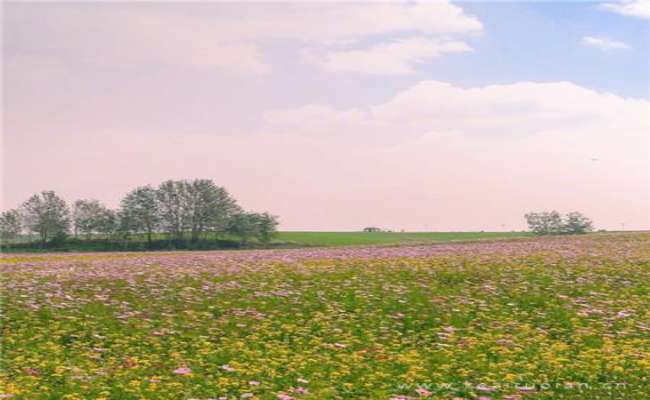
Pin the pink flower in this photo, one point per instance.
(284, 396)
(300, 390)
(182, 371)
(485, 388)
(423, 392)
(227, 368)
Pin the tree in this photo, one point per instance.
(91, 216)
(107, 222)
(171, 197)
(139, 212)
(196, 206)
(207, 207)
(576, 222)
(552, 223)
(10, 224)
(47, 215)
(243, 225)
(246, 225)
(267, 227)
(544, 223)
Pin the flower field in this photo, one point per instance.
(549, 318)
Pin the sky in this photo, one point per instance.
(433, 116)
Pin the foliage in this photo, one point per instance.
(247, 225)
(176, 208)
(575, 222)
(194, 206)
(91, 216)
(139, 212)
(47, 215)
(243, 225)
(10, 224)
(267, 225)
(552, 223)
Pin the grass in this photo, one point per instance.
(553, 318)
(225, 241)
(329, 239)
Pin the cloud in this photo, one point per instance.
(631, 8)
(392, 58)
(517, 109)
(232, 37)
(604, 44)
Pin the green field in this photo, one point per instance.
(281, 240)
(329, 239)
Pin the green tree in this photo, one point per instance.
(91, 216)
(552, 223)
(267, 227)
(10, 224)
(47, 215)
(206, 207)
(577, 223)
(171, 199)
(544, 223)
(139, 212)
(244, 225)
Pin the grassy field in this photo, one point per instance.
(547, 318)
(282, 240)
(386, 238)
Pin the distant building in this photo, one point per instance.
(371, 229)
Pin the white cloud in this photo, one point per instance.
(228, 36)
(603, 43)
(522, 108)
(393, 58)
(346, 22)
(632, 8)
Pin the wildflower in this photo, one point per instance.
(300, 390)
(182, 371)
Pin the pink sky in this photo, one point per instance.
(127, 103)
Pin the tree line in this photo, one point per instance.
(180, 210)
(554, 223)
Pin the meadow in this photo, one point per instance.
(385, 238)
(283, 239)
(535, 318)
